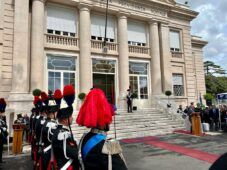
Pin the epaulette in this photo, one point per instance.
(51, 125)
(42, 121)
(63, 135)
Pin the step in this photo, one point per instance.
(146, 122)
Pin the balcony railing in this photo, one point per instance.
(98, 45)
(61, 40)
(177, 54)
(138, 49)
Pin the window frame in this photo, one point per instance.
(140, 44)
(176, 50)
(183, 85)
(54, 32)
(138, 79)
(61, 71)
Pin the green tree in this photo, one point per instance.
(216, 82)
(211, 68)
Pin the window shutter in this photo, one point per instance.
(98, 26)
(137, 32)
(174, 39)
(61, 19)
(177, 79)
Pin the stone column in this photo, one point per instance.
(85, 49)
(37, 45)
(20, 82)
(20, 100)
(123, 54)
(165, 58)
(155, 61)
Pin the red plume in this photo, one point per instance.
(58, 94)
(44, 96)
(2, 101)
(95, 111)
(36, 99)
(68, 90)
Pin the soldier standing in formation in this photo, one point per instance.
(3, 127)
(64, 146)
(48, 130)
(56, 147)
(96, 151)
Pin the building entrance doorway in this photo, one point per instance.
(106, 83)
(104, 77)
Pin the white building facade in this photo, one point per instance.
(47, 44)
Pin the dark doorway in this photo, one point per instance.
(106, 83)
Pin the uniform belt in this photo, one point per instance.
(47, 149)
(67, 164)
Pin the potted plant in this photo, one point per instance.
(168, 93)
(81, 97)
(208, 97)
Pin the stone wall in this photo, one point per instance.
(6, 46)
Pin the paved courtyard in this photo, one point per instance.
(164, 152)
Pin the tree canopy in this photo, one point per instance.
(216, 82)
(213, 69)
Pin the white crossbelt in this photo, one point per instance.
(67, 164)
(47, 149)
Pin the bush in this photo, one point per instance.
(81, 96)
(168, 93)
(208, 96)
(134, 95)
(36, 92)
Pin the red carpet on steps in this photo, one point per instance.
(194, 153)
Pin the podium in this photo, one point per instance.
(17, 138)
(196, 124)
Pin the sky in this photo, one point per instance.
(211, 25)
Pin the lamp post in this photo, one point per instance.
(105, 48)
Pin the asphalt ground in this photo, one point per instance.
(141, 156)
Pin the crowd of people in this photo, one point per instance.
(215, 116)
(52, 142)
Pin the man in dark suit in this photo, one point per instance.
(129, 101)
(214, 116)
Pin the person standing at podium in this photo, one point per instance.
(3, 127)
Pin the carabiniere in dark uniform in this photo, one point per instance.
(3, 127)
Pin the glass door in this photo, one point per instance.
(106, 83)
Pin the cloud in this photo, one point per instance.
(212, 26)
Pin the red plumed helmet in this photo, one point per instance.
(96, 111)
(58, 94)
(68, 90)
(2, 101)
(36, 99)
(44, 96)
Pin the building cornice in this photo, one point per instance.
(43, 1)
(182, 13)
(198, 42)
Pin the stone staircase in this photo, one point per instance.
(146, 122)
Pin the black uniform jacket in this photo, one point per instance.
(96, 160)
(38, 127)
(48, 129)
(3, 130)
(71, 149)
